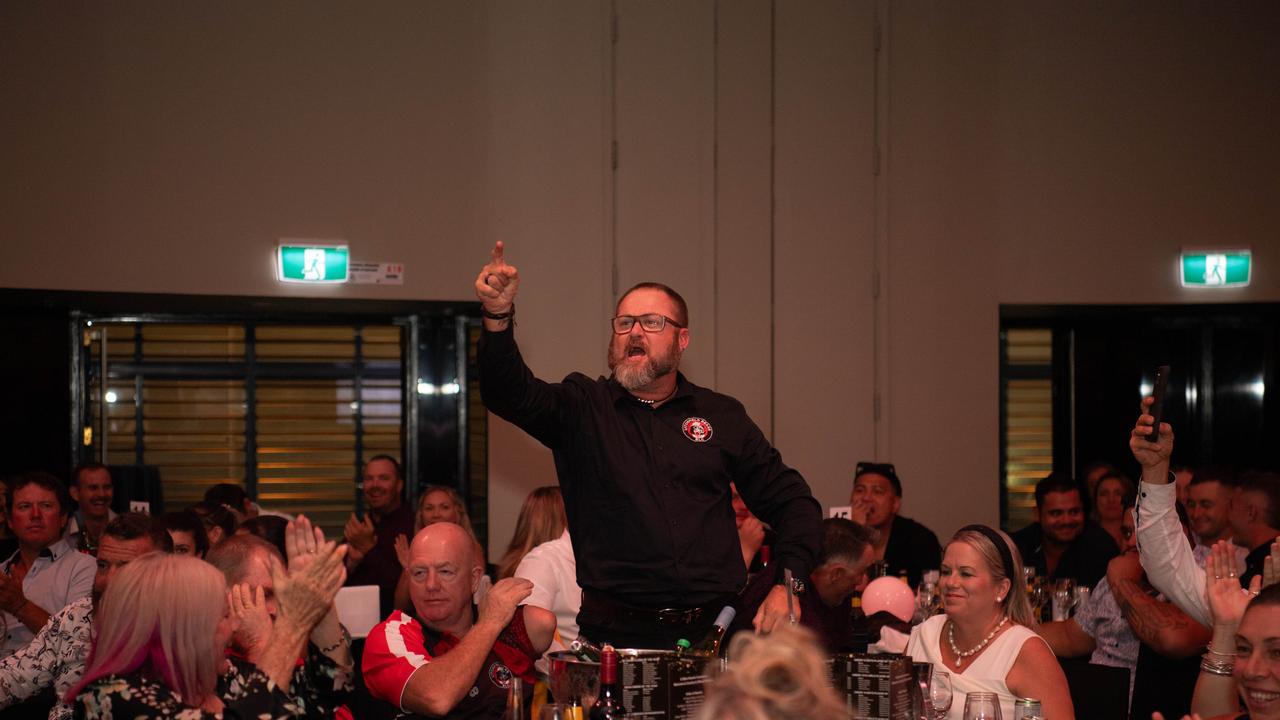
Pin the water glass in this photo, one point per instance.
(940, 693)
(982, 706)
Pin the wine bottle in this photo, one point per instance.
(585, 649)
(609, 705)
(709, 646)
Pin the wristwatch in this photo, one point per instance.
(797, 585)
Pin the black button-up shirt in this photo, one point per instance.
(646, 490)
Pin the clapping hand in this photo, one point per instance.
(1227, 600)
(402, 550)
(305, 594)
(249, 607)
(497, 283)
(11, 597)
(359, 534)
(301, 541)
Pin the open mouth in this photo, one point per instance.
(635, 351)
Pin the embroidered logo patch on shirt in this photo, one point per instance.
(500, 675)
(697, 429)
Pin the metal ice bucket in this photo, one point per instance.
(572, 677)
(658, 683)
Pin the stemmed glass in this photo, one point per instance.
(1064, 598)
(982, 706)
(940, 693)
(555, 711)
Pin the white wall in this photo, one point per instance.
(1030, 153)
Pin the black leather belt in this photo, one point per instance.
(606, 604)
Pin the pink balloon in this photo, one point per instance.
(892, 594)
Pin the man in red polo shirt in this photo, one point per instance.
(447, 659)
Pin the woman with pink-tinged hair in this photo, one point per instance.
(162, 634)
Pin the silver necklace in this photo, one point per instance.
(960, 656)
(646, 402)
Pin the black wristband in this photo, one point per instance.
(499, 316)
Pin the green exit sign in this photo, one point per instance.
(321, 264)
(1216, 268)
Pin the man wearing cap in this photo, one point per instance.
(645, 459)
(904, 545)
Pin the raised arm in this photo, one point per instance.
(1216, 686)
(1163, 547)
(304, 597)
(496, 287)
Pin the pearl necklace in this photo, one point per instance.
(960, 656)
(651, 403)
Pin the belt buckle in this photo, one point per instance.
(678, 616)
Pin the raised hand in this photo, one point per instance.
(301, 540)
(499, 604)
(1227, 600)
(402, 550)
(305, 595)
(250, 608)
(359, 534)
(1148, 454)
(497, 283)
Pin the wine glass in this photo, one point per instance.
(555, 711)
(1064, 598)
(940, 693)
(982, 706)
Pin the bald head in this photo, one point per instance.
(444, 541)
(443, 573)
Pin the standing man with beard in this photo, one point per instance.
(1062, 543)
(645, 459)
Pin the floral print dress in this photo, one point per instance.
(247, 694)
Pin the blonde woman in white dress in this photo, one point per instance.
(985, 640)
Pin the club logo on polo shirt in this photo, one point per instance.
(500, 675)
(697, 429)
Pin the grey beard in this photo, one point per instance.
(634, 377)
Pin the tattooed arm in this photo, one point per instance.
(1164, 627)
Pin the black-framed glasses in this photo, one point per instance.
(651, 323)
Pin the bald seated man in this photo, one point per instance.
(445, 657)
